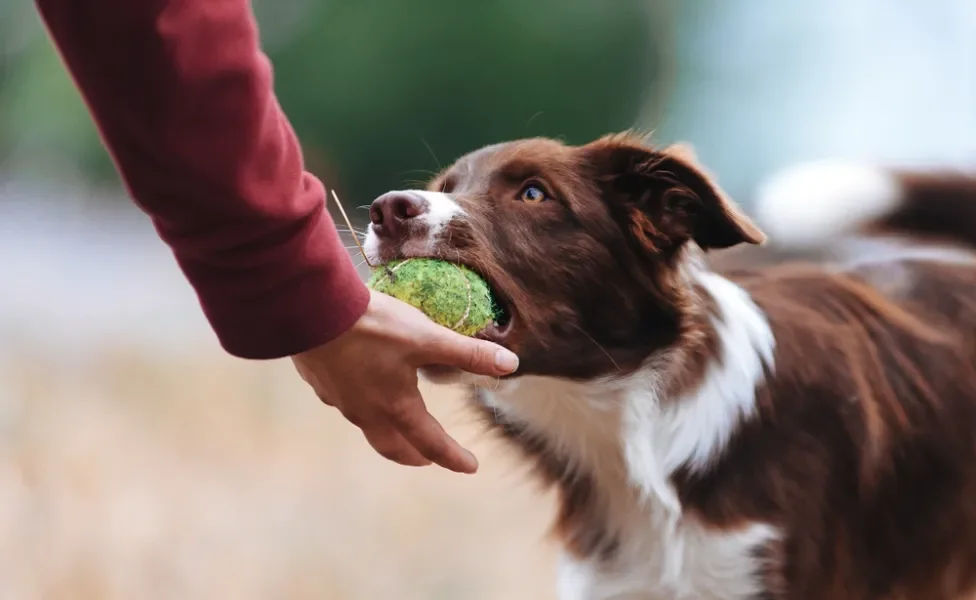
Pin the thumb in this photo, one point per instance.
(481, 357)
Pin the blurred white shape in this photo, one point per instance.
(810, 203)
(762, 84)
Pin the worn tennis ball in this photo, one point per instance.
(449, 294)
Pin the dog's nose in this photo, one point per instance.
(390, 213)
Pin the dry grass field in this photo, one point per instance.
(127, 476)
(140, 462)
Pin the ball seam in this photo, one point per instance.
(467, 309)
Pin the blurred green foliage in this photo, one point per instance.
(382, 92)
(382, 88)
(43, 118)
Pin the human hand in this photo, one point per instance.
(370, 375)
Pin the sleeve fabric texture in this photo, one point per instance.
(183, 98)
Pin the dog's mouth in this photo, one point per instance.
(500, 329)
(502, 325)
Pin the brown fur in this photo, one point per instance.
(863, 451)
(580, 523)
(865, 447)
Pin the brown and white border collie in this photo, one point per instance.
(800, 430)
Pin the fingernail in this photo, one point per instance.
(473, 462)
(506, 360)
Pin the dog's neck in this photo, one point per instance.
(623, 438)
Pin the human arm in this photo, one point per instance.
(182, 96)
(183, 99)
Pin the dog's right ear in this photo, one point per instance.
(683, 151)
(667, 198)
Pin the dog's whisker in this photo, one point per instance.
(432, 155)
(597, 344)
(424, 171)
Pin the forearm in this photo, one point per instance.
(183, 99)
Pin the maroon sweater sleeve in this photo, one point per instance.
(183, 99)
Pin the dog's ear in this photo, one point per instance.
(682, 151)
(667, 198)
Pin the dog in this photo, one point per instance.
(718, 428)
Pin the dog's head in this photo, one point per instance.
(584, 246)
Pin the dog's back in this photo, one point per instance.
(870, 286)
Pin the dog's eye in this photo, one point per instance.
(532, 194)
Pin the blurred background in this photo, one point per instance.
(139, 461)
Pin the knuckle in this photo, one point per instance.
(431, 442)
(401, 410)
(434, 447)
(324, 398)
(433, 344)
(355, 418)
(392, 453)
(384, 443)
(476, 357)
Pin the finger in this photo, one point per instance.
(327, 399)
(423, 432)
(476, 356)
(390, 445)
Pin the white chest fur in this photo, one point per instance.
(630, 442)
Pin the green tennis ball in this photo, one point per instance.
(449, 294)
